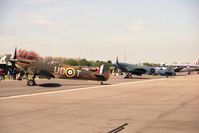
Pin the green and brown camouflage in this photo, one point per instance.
(35, 67)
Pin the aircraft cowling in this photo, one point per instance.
(138, 71)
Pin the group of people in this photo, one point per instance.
(11, 74)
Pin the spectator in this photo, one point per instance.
(1, 74)
(10, 74)
(14, 73)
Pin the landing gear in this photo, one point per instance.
(31, 82)
(128, 75)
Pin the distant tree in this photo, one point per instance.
(30, 55)
(76, 62)
(84, 62)
(156, 65)
(71, 62)
(99, 63)
(146, 64)
(109, 62)
(48, 59)
(92, 63)
(150, 64)
(59, 59)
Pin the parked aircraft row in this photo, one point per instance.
(134, 69)
(33, 66)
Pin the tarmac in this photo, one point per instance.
(146, 104)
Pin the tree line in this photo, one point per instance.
(150, 64)
(76, 62)
(85, 62)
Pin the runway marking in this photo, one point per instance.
(78, 89)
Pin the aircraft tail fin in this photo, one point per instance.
(101, 69)
(103, 72)
(117, 60)
(197, 61)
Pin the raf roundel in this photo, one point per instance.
(70, 72)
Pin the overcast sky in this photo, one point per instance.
(140, 30)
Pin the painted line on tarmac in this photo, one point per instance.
(79, 89)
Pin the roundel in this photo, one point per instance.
(152, 71)
(188, 67)
(70, 72)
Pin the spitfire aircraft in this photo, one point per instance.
(34, 67)
(133, 69)
(184, 67)
(165, 71)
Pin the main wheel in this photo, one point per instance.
(31, 82)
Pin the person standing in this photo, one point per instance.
(14, 73)
(1, 74)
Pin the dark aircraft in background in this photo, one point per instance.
(133, 69)
(165, 71)
(33, 66)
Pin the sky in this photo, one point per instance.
(134, 30)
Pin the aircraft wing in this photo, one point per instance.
(181, 67)
(45, 74)
(184, 65)
(137, 71)
(40, 73)
(178, 69)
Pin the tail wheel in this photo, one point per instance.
(31, 82)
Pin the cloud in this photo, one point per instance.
(39, 20)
